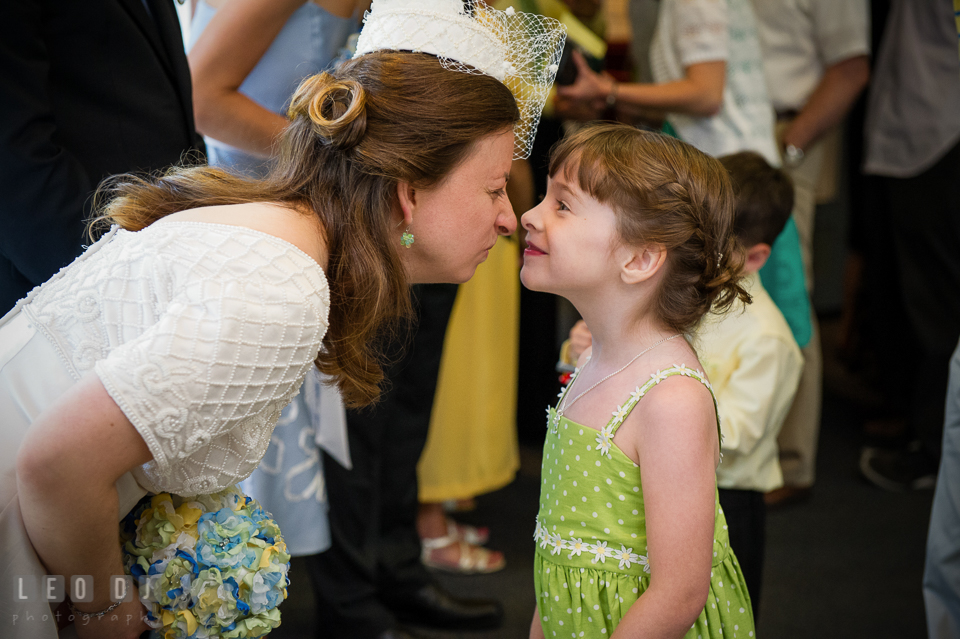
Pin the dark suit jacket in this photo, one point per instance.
(88, 89)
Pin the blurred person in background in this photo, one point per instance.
(708, 79)
(73, 112)
(472, 446)
(913, 147)
(941, 575)
(815, 56)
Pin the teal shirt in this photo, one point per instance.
(783, 278)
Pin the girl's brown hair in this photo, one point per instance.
(354, 133)
(666, 192)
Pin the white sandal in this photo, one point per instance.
(465, 532)
(473, 560)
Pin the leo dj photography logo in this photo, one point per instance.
(51, 589)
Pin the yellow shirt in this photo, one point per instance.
(754, 365)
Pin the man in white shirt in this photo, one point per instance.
(815, 55)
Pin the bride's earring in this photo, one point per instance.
(407, 238)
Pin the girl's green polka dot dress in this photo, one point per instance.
(591, 561)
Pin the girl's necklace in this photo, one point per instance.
(562, 406)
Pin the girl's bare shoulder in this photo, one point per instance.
(675, 410)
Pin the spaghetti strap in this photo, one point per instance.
(620, 415)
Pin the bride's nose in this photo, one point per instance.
(506, 221)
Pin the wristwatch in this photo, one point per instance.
(792, 156)
(612, 95)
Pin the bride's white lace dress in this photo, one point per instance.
(200, 332)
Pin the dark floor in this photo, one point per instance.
(848, 563)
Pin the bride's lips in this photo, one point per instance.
(532, 249)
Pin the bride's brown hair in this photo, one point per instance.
(354, 133)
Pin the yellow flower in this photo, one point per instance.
(170, 618)
(185, 519)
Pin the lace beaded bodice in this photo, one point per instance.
(200, 332)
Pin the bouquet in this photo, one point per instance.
(208, 566)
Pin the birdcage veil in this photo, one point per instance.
(521, 50)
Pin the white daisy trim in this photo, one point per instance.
(600, 551)
(576, 546)
(556, 543)
(626, 556)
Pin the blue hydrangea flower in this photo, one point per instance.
(209, 566)
(223, 537)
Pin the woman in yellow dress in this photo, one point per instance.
(472, 445)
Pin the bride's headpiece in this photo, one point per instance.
(521, 50)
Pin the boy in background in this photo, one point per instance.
(754, 364)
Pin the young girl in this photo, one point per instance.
(636, 231)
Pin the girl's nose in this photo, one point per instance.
(529, 219)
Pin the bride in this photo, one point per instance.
(160, 359)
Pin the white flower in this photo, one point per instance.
(683, 370)
(556, 542)
(510, 11)
(603, 444)
(576, 546)
(600, 551)
(605, 439)
(643, 561)
(636, 394)
(553, 68)
(627, 556)
(658, 377)
(621, 413)
(544, 537)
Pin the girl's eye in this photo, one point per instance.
(562, 206)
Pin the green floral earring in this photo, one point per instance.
(407, 238)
